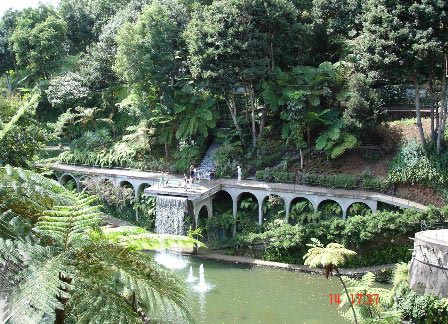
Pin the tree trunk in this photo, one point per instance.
(252, 116)
(348, 296)
(432, 104)
(166, 150)
(308, 136)
(418, 113)
(232, 108)
(443, 108)
(301, 159)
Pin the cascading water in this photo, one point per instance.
(170, 213)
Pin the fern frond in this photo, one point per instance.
(68, 224)
(39, 286)
(137, 238)
(367, 309)
(157, 291)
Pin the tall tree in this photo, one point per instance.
(330, 257)
(235, 45)
(406, 41)
(7, 24)
(79, 24)
(39, 39)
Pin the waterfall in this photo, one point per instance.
(170, 213)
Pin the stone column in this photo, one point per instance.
(234, 211)
(260, 212)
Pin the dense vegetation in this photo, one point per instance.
(378, 238)
(279, 85)
(149, 84)
(57, 263)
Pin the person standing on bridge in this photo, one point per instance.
(192, 171)
(238, 172)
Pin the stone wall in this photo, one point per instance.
(429, 265)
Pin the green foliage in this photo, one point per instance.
(38, 39)
(21, 137)
(219, 227)
(345, 181)
(368, 311)
(330, 208)
(65, 260)
(425, 308)
(369, 235)
(363, 113)
(334, 141)
(146, 50)
(67, 91)
(275, 175)
(359, 209)
(385, 255)
(329, 256)
(412, 165)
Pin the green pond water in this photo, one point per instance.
(248, 294)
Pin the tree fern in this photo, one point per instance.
(330, 257)
(63, 266)
(368, 309)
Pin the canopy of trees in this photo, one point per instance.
(175, 75)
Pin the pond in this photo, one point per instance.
(250, 294)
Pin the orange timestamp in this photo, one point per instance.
(359, 298)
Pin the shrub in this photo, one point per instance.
(345, 181)
(375, 184)
(275, 175)
(380, 238)
(411, 165)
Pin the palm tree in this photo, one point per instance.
(330, 257)
(57, 264)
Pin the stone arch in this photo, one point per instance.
(358, 208)
(249, 197)
(66, 179)
(222, 202)
(81, 182)
(126, 184)
(129, 185)
(305, 207)
(141, 188)
(327, 211)
(277, 205)
(202, 216)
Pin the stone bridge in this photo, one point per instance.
(202, 194)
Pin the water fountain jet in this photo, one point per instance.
(191, 277)
(202, 286)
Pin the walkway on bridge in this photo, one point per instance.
(202, 194)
